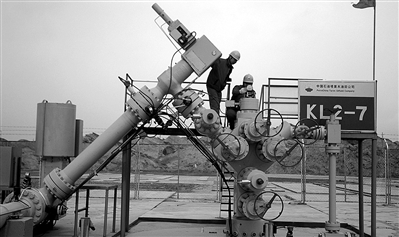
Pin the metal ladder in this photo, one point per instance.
(226, 197)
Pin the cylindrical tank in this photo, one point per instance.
(55, 129)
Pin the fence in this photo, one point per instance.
(305, 185)
(314, 185)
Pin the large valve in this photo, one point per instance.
(230, 147)
(248, 206)
(270, 205)
(288, 152)
(308, 131)
(252, 179)
(207, 122)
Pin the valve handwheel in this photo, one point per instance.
(292, 152)
(270, 116)
(267, 204)
(303, 130)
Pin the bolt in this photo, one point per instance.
(260, 181)
(210, 116)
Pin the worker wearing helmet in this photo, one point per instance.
(240, 91)
(218, 78)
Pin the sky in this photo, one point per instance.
(74, 51)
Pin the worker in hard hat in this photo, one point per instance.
(240, 91)
(218, 78)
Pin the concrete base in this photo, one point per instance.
(247, 227)
(22, 227)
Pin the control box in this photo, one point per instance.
(201, 55)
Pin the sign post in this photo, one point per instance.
(355, 105)
(356, 101)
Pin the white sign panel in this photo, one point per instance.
(356, 101)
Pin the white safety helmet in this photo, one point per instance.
(248, 79)
(235, 54)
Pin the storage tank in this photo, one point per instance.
(55, 129)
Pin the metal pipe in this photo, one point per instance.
(178, 173)
(360, 180)
(303, 176)
(332, 188)
(100, 146)
(374, 188)
(125, 197)
(387, 175)
(162, 13)
(345, 178)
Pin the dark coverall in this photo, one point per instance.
(231, 112)
(217, 81)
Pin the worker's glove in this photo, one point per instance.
(243, 90)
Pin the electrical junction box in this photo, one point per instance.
(333, 132)
(10, 158)
(180, 33)
(201, 55)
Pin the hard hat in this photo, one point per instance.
(248, 79)
(235, 54)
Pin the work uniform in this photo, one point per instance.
(231, 112)
(217, 81)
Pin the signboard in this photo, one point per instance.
(356, 101)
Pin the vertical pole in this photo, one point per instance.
(389, 178)
(114, 210)
(137, 173)
(125, 179)
(374, 188)
(125, 197)
(75, 227)
(387, 175)
(303, 176)
(87, 202)
(333, 149)
(218, 196)
(332, 189)
(345, 174)
(374, 33)
(105, 213)
(178, 172)
(360, 179)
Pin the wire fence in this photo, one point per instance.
(306, 182)
(306, 185)
(314, 186)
